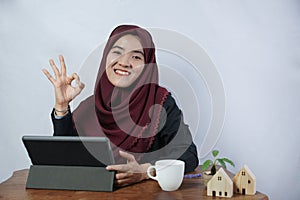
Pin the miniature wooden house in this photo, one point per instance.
(220, 185)
(245, 182)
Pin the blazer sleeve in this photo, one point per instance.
(64, 126)
(174, 140)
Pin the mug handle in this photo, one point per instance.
(149, 172)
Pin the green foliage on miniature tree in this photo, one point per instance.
(213, 163)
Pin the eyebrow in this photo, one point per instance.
(134, 51)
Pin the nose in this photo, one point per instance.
(124, 61)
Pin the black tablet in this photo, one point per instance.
(69, 150)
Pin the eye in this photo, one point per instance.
(116, 52)
(137, 57)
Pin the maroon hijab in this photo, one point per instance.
(130, 116)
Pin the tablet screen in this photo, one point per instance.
(69, 150)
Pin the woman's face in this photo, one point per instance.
(125, 61)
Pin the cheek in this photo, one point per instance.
(110, 59)
(108, 67)
(140, 69)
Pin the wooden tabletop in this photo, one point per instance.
(14, 189)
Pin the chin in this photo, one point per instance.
(121, 85)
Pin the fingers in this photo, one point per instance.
(79, 86)
(48, 75)
(63, 70)
(123, 182)
(127, 156)
(121, 168)
(71, 78)
(124, 178)
(54, 68)
(120, 176)
(62, 65)
(129, 173)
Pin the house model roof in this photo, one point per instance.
(222, 173)
(247, 169)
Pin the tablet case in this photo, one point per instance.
(70, 178)
(56, 173)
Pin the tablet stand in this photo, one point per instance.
(70, 178)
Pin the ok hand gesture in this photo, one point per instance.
(64, 91)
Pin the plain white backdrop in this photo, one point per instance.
(255, 45)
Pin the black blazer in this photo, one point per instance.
(173, 141)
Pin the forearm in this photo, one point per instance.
(63, 126)
(190, 158)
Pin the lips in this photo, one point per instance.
(121, 72)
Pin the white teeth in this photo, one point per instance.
(122, 72)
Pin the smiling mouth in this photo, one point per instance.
(121, 72)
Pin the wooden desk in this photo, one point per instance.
(14, 189)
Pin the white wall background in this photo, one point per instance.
(255, 45)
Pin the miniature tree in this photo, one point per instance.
(213, 163)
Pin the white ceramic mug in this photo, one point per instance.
(169, 173)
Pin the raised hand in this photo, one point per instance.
(64, 91)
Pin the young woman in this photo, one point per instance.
(140, 118)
